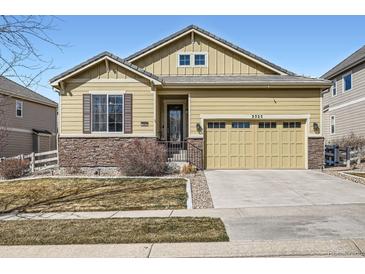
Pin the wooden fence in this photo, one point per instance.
(38, 161)
(337, 156)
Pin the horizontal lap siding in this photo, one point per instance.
(284, 102)
(71, 113)
(18, 143)
(35, 116)
(348, 119)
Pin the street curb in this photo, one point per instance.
(234, 249)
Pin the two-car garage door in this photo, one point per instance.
(240, 144)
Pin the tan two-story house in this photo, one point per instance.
(344, 102)
(28, 120)
(241, 110)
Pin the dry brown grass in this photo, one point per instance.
(81, 194)
(112, 231)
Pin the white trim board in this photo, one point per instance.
(347, 104)
(250, 116)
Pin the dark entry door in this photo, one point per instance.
(175, 122)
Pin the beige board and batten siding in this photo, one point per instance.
(257, 101)
(220, 60)
(347, 107)
(98, 79)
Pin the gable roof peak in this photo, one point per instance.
(217, 39)
(54, 81)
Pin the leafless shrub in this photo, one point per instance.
(13, 168)
(188, 169)
(355, 142)
(352, 140)
(142, 158)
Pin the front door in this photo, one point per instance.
(175, 123)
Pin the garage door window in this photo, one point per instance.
(292, 125)
(241, 125)
(267, 125)
(216, 125)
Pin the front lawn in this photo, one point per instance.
(82, 194)
(112, 231)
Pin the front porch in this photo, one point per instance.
(172, 125)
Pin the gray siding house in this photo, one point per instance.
(28, 118)
(344, 102)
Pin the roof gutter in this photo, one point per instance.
(251, 85)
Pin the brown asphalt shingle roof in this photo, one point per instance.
(354, 59)
(244, 80)
(14, 89)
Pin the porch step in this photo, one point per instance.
(181, 156)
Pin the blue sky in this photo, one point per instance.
(308, 45)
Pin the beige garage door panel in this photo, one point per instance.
(262, 146)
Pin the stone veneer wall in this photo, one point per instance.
(90, 152)
(315, 152)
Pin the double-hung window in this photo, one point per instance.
(19, 108)
(347, 82)
(332, 124)
(107, 113)
(334, 88)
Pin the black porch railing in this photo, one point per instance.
(183, 151)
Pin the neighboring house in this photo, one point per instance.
(344, 102)
(240, 109)
(29, 120)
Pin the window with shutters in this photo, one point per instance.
(107, 113)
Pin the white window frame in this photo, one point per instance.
(21, 108)
(334, 124)
(178, 60)
(343, 82)
(192, 59)
(334, 87)
(107, 111)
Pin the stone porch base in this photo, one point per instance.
(90, 152)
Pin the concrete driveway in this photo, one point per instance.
(268, 188)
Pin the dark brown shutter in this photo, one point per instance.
(86, 110)
(128, 108)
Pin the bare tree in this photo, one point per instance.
(20, 58)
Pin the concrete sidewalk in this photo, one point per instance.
(296, 248)
(258, 223)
